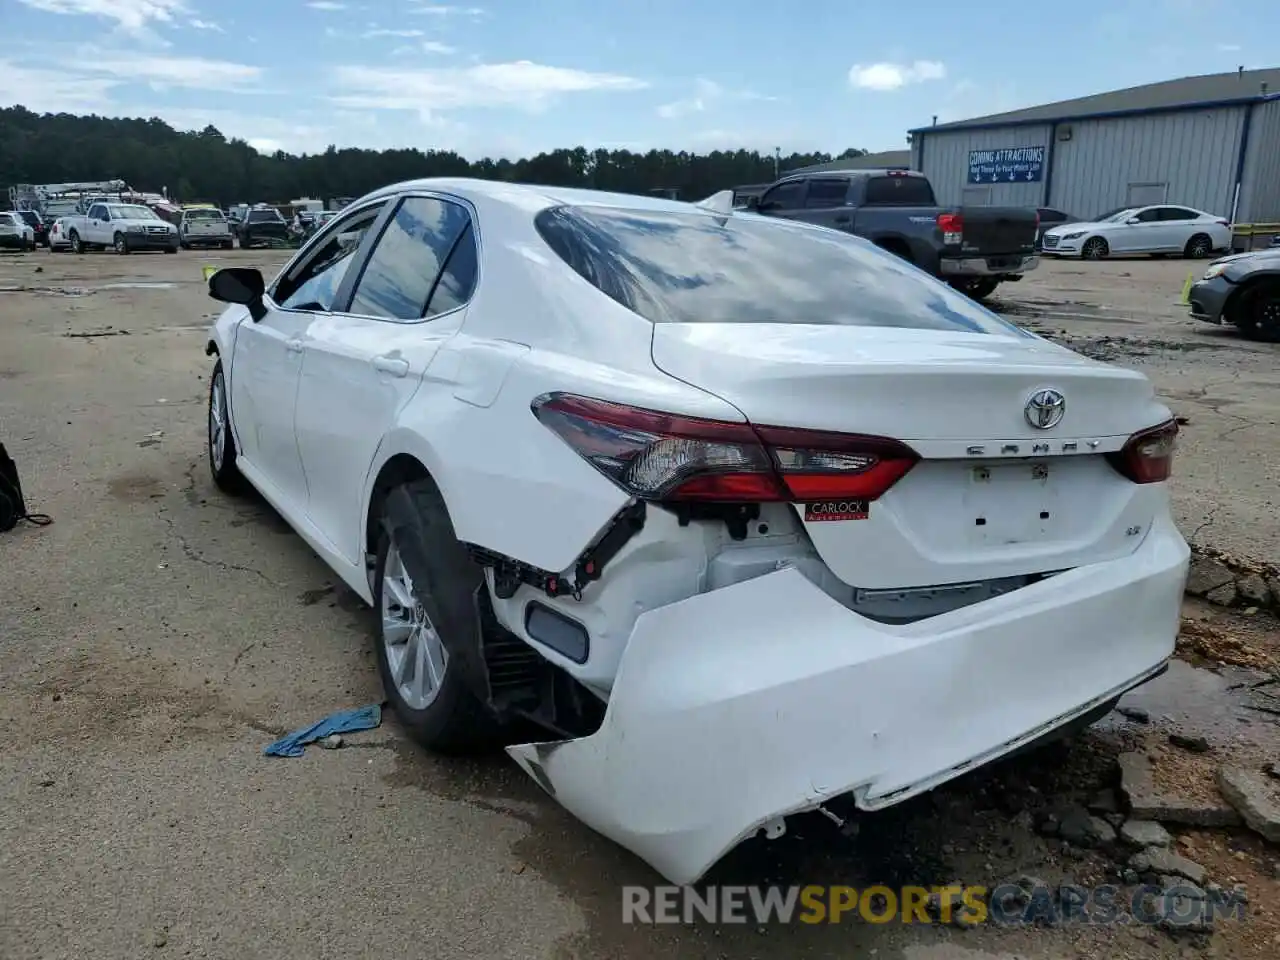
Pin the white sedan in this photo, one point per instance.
(1160, 230)
(746, 514)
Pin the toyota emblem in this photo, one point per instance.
(1045, 409)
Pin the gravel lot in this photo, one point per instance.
(158, 635)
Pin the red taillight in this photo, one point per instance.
(952, 227)
(662, 456)
(1147, 457)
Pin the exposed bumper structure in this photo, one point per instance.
(767, 698)
(987, 266)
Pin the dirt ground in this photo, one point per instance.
(158, 635)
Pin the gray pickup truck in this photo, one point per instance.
(972, 248)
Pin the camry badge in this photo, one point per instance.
(1045, 409)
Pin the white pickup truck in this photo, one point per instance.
(204, 227)
(124, 227)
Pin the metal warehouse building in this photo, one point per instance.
(1210, 142)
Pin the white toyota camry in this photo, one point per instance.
(746, 514)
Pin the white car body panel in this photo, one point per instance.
(717, 657)
(1160, 236)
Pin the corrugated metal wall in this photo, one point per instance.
(1260, 190)
(1194, 154)
(946, 163)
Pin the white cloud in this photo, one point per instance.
(894, 76)
(1228, 48)
(705, 92)
(383, 32)
(445, 10)
(521, 84)
(204, 25)
(326, 5)
(435, 46)
(130, 15)
(194, 73)
(53, 91)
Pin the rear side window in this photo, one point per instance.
(902, 191)
(827, 193)
(1178, 213)
(406, 261)
(695, 268)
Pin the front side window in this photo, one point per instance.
(315, 285)
(406, 261)
(785, 196)
(1149, 216)
(1178, 213)
(695, 268)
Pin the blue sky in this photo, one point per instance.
(513, 77)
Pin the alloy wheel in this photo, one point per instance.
(415, 653)
(217, 422)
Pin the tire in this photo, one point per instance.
(184, 245)
(77, 245)
(120, 244)
(428, 693)
(1198, 247)
(1095, 248)
(1261, 320)
(977, 288)
(220, 444)
(228, 244)
(170, 249)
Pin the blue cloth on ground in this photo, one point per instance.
(344, 721)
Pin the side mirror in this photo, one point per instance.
(242, 285)
(1132, 220)
(753, 203)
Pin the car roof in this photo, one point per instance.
(535, 198)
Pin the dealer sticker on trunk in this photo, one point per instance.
(836, 510)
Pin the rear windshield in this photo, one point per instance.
(30, 216)
(700, 268)
(262, 216)
(204, 215)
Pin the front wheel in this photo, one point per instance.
(1261, 315)
(1095, 248)
(222, 445)
(120, 244)
(424, 591)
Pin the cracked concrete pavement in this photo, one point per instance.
(158, 635)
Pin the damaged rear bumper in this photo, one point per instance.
(767, 698)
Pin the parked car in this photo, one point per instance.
(1160, 230)
(37, 225)
(122, 227)
(262, 225)
(1242, 290)
(746, 514)
(972, 248)
(204, 227)
(15, 233)
(58, 239)
(1050, 218)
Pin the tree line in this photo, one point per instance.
(205, 165)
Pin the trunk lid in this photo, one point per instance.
(997, 231)
(994, 496)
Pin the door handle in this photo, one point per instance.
(293, 346)
(392, 365)
(842, 220)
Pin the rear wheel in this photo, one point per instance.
(1198, 247)
(424, 594)
(979, 288)
(77, 245)
(1095, 248)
